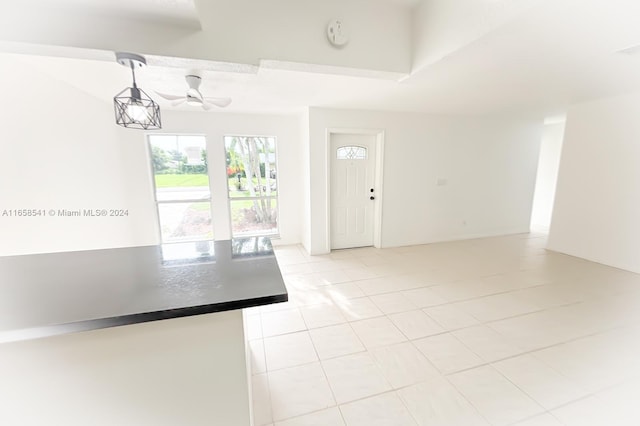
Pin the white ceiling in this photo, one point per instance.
(557, 53)
(174, 11)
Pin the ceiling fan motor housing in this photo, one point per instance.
(194, 97)
(194, 83)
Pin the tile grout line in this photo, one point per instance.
(590, 298)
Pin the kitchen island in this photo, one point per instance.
(148, 335)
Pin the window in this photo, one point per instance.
(252, 184)
(351, 153)
(179, 164)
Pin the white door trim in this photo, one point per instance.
(378, 179)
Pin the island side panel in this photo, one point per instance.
(182, 371)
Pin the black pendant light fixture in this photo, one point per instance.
(133, 107)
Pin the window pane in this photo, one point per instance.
(351, 153)
(179, 167)
(251, 166)
(254, 217)
(185, 221)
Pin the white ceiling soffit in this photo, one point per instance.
(108, 56)
(201, 64)
(332, 70)
(55, 51)
(182, 13)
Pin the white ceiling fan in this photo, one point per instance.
(194, 97)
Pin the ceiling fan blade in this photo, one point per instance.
(220, 102)
(179, 101)
(206, 106)
(170, 97)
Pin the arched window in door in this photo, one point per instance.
(351, 153)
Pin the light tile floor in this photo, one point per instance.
(494, 331)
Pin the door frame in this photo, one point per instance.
(378, 178)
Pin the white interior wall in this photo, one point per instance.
(286, 128)
(306, 181)
(489, 165)
(547, 177)
(61, 149)
(597, 202)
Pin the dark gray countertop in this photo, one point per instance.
(56, 293)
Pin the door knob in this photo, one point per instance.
(372, 198)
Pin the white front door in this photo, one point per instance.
(353, 159)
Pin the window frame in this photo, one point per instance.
(157, 202)
(230, 199)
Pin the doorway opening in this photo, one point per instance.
(547, 175)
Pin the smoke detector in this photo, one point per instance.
(337, 33)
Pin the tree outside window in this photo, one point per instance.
(252, 184)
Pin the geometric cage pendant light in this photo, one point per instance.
(133, 107)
